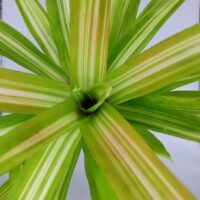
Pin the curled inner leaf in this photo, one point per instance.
(90, 100)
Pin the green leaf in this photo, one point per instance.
(160, 118)
(43, 172)
(89, 36)
(123, 15)
(59, 17)
(141, 33)
(6, 187)
(62, 188)
(27, 93)
(20, 174)
(178, 83)
(38, 24)
(188, 79)
(115, 21)
(19, 49)
(188, 102)
(24, 140)
(158, 67)
(194, 95)
(131, 167)
(155, 144)
(100, 188)
(128, 17)
(15, 173)
(8, 122)
(4, 190)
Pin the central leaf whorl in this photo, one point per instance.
(89, 101)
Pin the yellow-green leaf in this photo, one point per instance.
(158, 67)
(131, 167)
(89, 37)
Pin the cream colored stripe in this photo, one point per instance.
(164, 54)
(6, 130)
(39, 21)
(5, 100)
(126, 158)
(93, 44)
(119, 165)
(26, 55)
(32, 87)
(142, 34)
(61, 158)
(131, 76)
(43, 134)
(29, 95)
(113, 123)
(43, 171)
(38, 168)
(64, 14)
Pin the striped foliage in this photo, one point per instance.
(61, 190)
(43, 172)
(27, 93)
(37, 21)
(172, 59)
(126, 160)
(123, 16)
(59, 17)
(89, 41)
(156, 114)
(142, 31)
(7, 123)
(91, 88)
(128, 17)
(18, 48)
(31, 135)
(100, 187)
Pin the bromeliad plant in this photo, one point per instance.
(92, 88)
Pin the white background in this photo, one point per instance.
(185, 154)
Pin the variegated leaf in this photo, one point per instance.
(19, 49)
(27, 93)
(43, 172)
(131, 167)
(59, 17)
(38, 24)
(89, 38)
(142, 31)
(164, 119)
(24, 140)
(158, 67)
